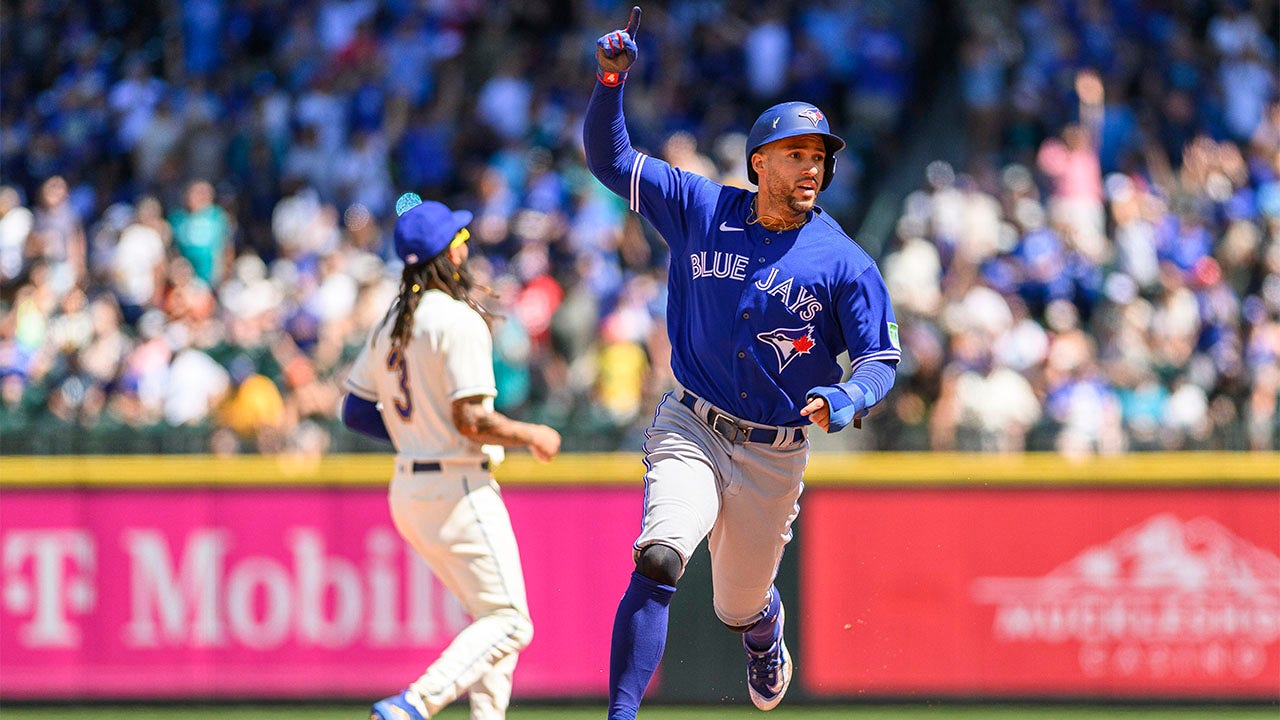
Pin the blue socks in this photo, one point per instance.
(762, 635)
(639, 637)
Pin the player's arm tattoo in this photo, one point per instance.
(489, 427)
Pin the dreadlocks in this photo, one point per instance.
(439, 272)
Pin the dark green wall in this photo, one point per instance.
(704, 660)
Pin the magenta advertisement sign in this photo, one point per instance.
(284, 592)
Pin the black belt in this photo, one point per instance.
(729, 428)
(437, 467)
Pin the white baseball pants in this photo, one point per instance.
(456, 520)
(743, 495)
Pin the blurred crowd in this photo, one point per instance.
(197, 197)
(1102, 273)
(196, 201)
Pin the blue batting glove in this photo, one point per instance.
(616, 51)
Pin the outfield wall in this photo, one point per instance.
(1144, 576)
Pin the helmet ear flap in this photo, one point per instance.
(828, 171)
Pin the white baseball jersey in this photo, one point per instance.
(448, 357)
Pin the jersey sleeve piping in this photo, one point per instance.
(472, 391)
(361, 392)
(636, 167)
(881, 355)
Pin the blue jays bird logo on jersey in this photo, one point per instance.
(788, 343)
(813, 115)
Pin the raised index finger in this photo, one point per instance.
(634, 23)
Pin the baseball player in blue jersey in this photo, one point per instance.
(424, 382)
(765, 290)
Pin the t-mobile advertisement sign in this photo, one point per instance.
(280, 593)
(1021, 592)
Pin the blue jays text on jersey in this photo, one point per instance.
(756, 317)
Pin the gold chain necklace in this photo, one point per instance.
(768, 222)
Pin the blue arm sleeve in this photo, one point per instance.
(866, 386)
(606, 141)
(363, 416)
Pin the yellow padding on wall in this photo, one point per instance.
(825, 469)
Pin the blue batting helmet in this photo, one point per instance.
(790, 119)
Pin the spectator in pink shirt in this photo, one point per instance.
(1073, 165)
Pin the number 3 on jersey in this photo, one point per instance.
(403, 403)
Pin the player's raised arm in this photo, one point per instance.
(662, 194)
(610, 156)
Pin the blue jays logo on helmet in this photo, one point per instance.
(814, 115)
(790, 119)
(788, 343)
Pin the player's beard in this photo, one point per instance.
(783, 194)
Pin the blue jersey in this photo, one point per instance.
(756, 317)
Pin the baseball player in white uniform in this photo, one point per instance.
(424, 382)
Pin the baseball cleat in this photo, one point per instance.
(398, 707)
(769, 672)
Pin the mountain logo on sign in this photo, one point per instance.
(1165, 598)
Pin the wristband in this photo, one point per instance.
(609, 78)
